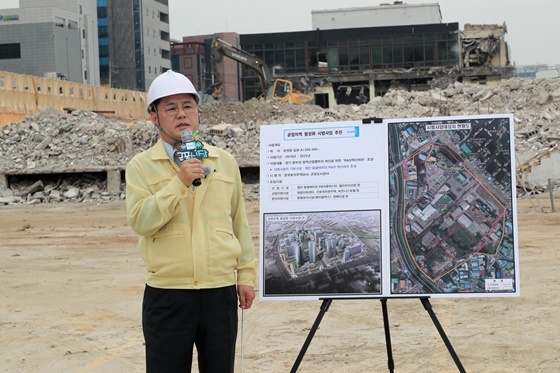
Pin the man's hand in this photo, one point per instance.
(191, 169)
(246, 296)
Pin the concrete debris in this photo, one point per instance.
(82, 144)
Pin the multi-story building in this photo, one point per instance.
(353, 65)
(52, 38)
(134, 42)
(355, 54)
(189, 58)
(192, 57)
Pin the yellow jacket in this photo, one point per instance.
(190, 239)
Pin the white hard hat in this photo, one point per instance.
(170, 83)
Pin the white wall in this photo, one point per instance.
(383, 15)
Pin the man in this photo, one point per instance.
(195, 241)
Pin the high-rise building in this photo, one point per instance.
(134, 42)
(291, 250)
(329, 249)
(291, 237)
(312, 251)
(51, 38)
(298, 255)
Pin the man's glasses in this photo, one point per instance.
(173, 110)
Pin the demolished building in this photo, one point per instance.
(484, 45)
(345, 63)
(353, 55)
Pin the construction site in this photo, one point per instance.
(73, 278)
(64, 225)
(101, 129)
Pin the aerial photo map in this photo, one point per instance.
(322, 253)
(452, 211)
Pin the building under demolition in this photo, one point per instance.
(355, 54)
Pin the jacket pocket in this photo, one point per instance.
(223, 246)
(219, 195)
(159, 181)
(168, 253)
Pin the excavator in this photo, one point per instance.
(275, 88)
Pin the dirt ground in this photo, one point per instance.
(72, 281)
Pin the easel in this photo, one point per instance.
(427, 306)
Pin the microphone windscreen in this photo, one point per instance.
(187, 135)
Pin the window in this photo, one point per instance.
(419, 56)
(279, 58)
(103, 31)
(354, 56)
(101, 12)
(300, 60)
(10, 51)
(187, 62)
(376, 54)
(103, 50)
(429, 45)
(343, 57)
(290, 60)
(364, 56)
(59, 22)
(387, 56)
(443, 53)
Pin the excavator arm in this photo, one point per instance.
(278, 89)
(221, 48)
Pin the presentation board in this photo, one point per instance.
(399, 207)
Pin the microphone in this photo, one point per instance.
(207, 171)
(191, 148)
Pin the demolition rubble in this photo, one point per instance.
(61, 157)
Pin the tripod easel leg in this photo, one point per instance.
(428, 307)
(324, 308)
(390, 362)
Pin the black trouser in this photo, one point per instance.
(174, 320)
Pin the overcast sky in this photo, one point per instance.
(532, 25)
